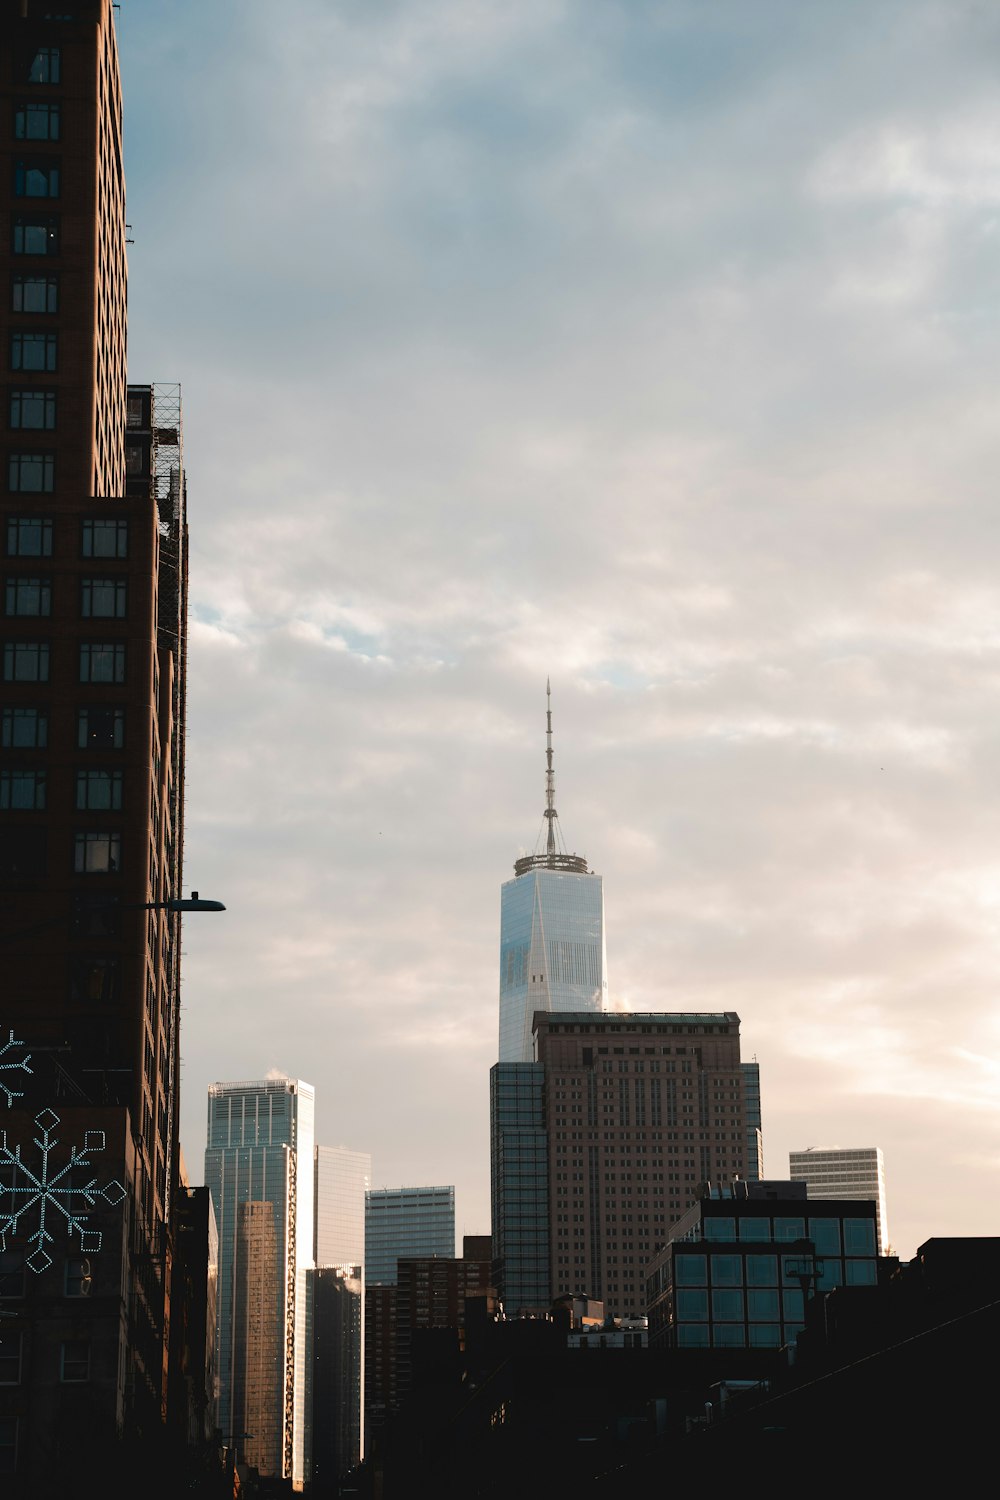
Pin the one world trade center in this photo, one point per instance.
(552, 948)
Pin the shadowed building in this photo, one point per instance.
(599, 1147)
(92, 702)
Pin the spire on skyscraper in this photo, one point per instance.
(555, 856)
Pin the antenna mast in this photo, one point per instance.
(554, 858)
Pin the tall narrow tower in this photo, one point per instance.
(552, 947)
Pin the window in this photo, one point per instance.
(10, 1358)
(103, 598)
(36, 236)
(789, 1229)
(755, 1229)
(105, 538)
(22, 791)
(860, 1272)
(94, 980)
(99, 791)
(825, 1234)
(33, 351)
(720, 1229)
(727, 1270)
(74, 1360)
(34, 294)
(35, 410)
(29, 536)
(102, 662)
(77, 1282)
(26, 661)
(43, 65)
(27, 596)
(692, 1306)
(37, 121)
(690, 1270)
(36, 177)
(727, 1306)
(859, 1236)
(31, 473)
(762, 1270)
(22, 852)
(24, 729)
(101, 729)
(11, 1273)
(97, 853)
(762, 1307)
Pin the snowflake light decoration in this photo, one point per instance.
(12, 1065)
(51, 1191)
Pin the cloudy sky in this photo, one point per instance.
(650, 345)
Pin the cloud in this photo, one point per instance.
(652, 348)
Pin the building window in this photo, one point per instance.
(77, 1282)
(94, 980)
(74, 1360)
(31, 473)
(26, 661)
(27, 596)
(102, 662)
(36, 236)
(24, 729)
(101, 729)
(33, 351)
(34, 294)
(105, 538)
(11, 1273)
(29, 536)
(22, 791)
(97, 853)
(36, 177)
(99, 791)
(35, 410)
(103, 598)
(44, 65)
(10, 1358)
(37, 121)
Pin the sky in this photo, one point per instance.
(646, 345)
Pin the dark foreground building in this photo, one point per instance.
(92, 668)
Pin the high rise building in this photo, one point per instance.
(336, 1373)
(342, 1179)
(259, 1167)
(836, 1172)
(606, 1137)
(92, 669)
(552, 946)
(406, 1221)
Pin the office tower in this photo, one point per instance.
(753, 1167)
(259, 1167)
(635, 1110)
(342, 1179)
(336, 1373)
(92, 662)
(406, 1221)
(552, 947)
(741, 1264)
(832, 1172)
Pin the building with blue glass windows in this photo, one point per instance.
(259, 1167)
(742, 1263)
(552, 946)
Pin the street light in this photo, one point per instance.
(193, 903)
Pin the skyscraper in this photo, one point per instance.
(837, 1172)
(259, 1167)
(342, 1179)
(406, 1221)
(552, 946)
(92, 666)
(609, 1135)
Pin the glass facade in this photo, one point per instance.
(342, 1179)
(258, 1134)
(552, 952)
(519, 1159)
(741, 1279)
(836, 1172)
(406, 1222)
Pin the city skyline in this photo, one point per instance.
(650, 352)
